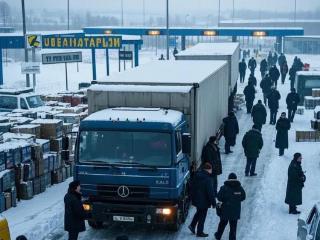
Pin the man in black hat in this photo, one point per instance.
(252, 143)
(283, 126)
(231, 195)
(203, 197)
(230, 131)
(296, 179)
(211, 154)
(75, 215)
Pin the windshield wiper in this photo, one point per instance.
(102, 163)
(138, 164)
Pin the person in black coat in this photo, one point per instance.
(292, 76)
(242, 70)
(296, 179)
(231, 195)
(263, 67)
(203, 197)
(273, 103)
(211, 154)
(230, 131)
(270, 59)
(249, 93)
(283, 126)
(284, 71)
(292, 101)
(252, 144)
(282, 59)
(252, 79)
(265, 85)
(75, 215)
(274, 74)
(252, 64)
(259, 115)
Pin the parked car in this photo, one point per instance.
(309, 227)
(11, 99)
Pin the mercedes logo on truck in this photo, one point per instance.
(123, 191)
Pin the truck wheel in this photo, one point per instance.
(185, 204)
(95, 224)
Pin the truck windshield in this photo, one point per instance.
(129, 148)
(35, 101)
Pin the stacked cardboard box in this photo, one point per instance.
(307, 136)
(33, 129)
(311, 102)
(50, 128)
(316, 92)
(300, 110)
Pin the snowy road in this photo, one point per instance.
(264, 213)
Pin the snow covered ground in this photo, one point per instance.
(264, 213)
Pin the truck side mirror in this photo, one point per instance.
(186, 143)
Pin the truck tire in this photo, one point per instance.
(95, 224)
(185, 202)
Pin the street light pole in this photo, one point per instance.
(295, 11)
(144, 12)
(121, 12)
(167, 7)
(68, 13)
(232, 11)
(219, 8)
(25, 42)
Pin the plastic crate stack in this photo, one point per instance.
(312, 135)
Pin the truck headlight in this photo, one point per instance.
(87, 207)
(164, 211)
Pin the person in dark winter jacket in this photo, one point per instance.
(252, 64)
(249, 93)
(211, 154)
(203, 197)
(230, 131)
(252, 79)
(259, 115)
(273, 103)
(283, 126)
(263, 67)
(231, 195)
(292, 76)
(284, 70)
(242, 70)
(75, 215)
(292, 101)
(270, 59)
(274, 74)
(296, 179)
(281, 59)
(175, 52)
(252, 143)
(265, 85)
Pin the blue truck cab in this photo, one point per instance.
(133, 165)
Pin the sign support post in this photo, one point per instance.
(124, 61)
(94, 67)
(66, 68)
(107, 61)
(119, 60)
(33, 75)
(1, 68)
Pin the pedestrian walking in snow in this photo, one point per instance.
(274, 74)
(75, 215)
(249, 93)
(283, 126)
(252, 79)
(242, 70)
(284, 70)
(273, 103)
(275, 58)
(230, 131)
(231, 195)
(211, 154)
(263, 67)
(161, 57)
(252, 64)
(281, 59)
(265, 85)
(270, 59)
(296, 179)
(175, 51)
(252, 143)
(259, 115)
(292, 101)
(202, 194)
(292, 76)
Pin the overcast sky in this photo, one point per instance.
(177, 6)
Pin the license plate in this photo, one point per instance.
(123, 219)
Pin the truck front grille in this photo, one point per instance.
(111, 191)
